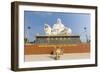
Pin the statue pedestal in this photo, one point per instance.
(57, 39)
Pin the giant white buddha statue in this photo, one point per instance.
(47, 29)
(57, 29)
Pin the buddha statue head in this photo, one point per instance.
(59, 21)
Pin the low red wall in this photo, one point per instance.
(48, 49)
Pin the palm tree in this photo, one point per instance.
(25, 40)
(85, 28)
(28, 31)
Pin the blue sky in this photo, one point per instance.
(37, 19)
